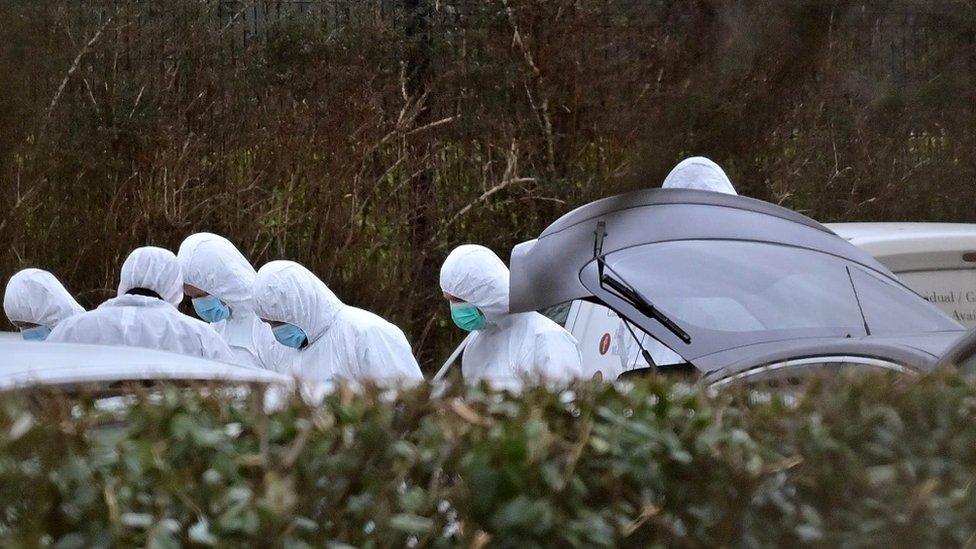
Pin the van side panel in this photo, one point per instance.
(952, 290)
(602, 347)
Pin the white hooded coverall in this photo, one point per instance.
(514, 347)
(35, 296)
(213, 264)
(344, 343)
(143, 321)
(698, 173)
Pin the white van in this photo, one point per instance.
(937, 260)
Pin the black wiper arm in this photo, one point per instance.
(624, 291)
(643, 306)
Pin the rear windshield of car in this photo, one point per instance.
(740, 287)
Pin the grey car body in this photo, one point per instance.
(961, 355)
(750, 283)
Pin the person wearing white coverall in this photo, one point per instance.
(507, 349)
(697, 173)
(334, 342)
(144, 313)
(219, 280)
(36, 302)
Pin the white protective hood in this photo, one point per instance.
(285, 291)
(154, 269)
(37, 297)
(699, 173)
(513, 348)
(476, 275)
(213, 264)
(344, 343)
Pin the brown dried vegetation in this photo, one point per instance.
(365, 139)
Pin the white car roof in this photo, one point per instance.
(906, 237)
(30, 363)
(914, 246)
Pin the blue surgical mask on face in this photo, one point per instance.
(290, 335)
(210, 309)
(468, 317)
(37, 333)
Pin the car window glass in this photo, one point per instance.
(731, 286)
(952, 290)
(558, 313)
(892, 309)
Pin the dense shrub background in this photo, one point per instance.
(869, 461)
(365, 139)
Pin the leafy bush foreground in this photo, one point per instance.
(870, 461)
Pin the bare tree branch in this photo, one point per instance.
(74, 65)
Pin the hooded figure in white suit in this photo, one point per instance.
(36, 302)
(334, 342)
(699, 173)
(220, 280)
(144, 313)
(507, 349)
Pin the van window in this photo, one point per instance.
(558, 313)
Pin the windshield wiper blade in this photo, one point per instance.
(624, 291)
(643, 306)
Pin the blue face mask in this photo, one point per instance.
(210, 309)
(290, 335)
(468, 317)
(37, 333)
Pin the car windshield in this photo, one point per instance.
(746, 292)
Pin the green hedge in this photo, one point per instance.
(871, 461)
